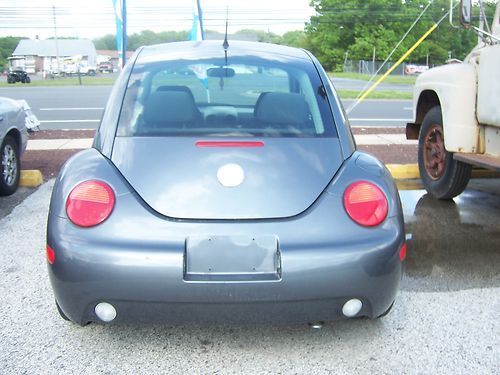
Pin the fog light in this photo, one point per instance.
(105, 311)
(352, 307)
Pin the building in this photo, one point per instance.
(36, 56)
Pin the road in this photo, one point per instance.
(445, 319)
(80, 107)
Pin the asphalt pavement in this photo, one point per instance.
(445, 319)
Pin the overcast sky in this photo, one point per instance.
(94, 18)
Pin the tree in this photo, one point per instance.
(7, 46)
(144, 38)
(359, 26)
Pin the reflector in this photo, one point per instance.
(51, 255)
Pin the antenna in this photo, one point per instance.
(225, 45)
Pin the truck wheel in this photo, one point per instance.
(28, 80)
(10, 170)
(442, 176)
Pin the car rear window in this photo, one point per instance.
(246, 97)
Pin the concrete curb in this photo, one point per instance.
(31, 178)
(403, 171)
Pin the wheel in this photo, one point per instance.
(10, 168)
(28, 80)
(23, 80)
(63, 315)
(442, 176)
(9, 80)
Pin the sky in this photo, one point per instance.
(95, 18)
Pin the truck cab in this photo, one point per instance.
(457, 114)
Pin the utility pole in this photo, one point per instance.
(373, 60)
(55, 37)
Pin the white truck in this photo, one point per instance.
(457, 113)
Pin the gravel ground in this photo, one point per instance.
(442, 332)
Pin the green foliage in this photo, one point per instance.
(7, 46)
(144, 38)
(148, 37)
(356, 27)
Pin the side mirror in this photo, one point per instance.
(466, 12)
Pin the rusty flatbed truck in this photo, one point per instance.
(457, 114)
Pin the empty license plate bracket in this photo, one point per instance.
(232, 258)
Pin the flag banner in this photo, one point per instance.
(196, 33)
(118, 6)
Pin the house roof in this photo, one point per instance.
(65, 47)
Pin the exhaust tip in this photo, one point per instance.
(352, 307)
(105, 311)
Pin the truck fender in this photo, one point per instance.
(454, 88)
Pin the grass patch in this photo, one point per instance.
(397, 79)
(353, 94)
(66, 81)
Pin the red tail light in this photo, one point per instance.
(90, 203)
(365, 203)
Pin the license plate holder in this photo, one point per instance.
(232, 258)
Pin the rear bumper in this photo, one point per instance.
(135, 260)
(146, 282)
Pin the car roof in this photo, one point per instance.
(214, 49)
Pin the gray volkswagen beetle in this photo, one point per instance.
(224, 186)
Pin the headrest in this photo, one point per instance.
(178, 89)
(282, 108)
(166, 107)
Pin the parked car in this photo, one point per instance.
(106, 67)
(13, 140)
(18, 76)
(224, 197)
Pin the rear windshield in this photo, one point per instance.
(246, 97)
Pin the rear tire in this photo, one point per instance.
(28, 80)
(442, 176)
(10, 167)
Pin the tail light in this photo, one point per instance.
(90, 203)
(365, 203)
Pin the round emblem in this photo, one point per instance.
(230, 175)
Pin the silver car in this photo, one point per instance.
(224, 185)
(13, 140)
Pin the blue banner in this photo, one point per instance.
(197, 33)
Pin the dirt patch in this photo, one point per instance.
(62, 134)
(393, 154)
(48, 162)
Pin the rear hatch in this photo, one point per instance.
(282, 177)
